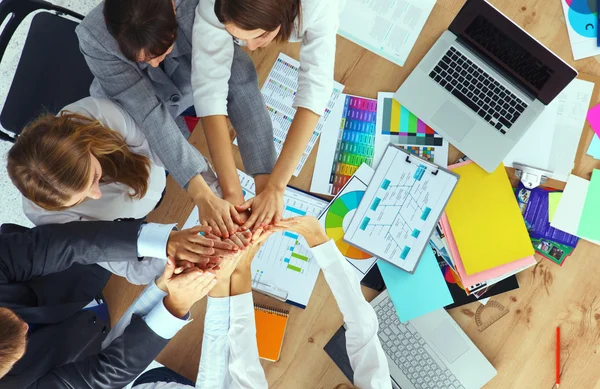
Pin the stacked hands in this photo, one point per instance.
(226, 218)
(199, 259)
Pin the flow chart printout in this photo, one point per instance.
(279, 92)
(401, 208)
(284, 266)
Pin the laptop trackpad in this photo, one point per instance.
(448, 341)
(453, 120)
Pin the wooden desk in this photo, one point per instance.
(521, 344)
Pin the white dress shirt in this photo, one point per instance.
(115, 201)
(229, 356)
(212, 56)
(367, 357)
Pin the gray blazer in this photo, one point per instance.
(154, 97)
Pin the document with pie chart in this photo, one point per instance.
(338, 214)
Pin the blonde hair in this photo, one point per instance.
(13, 339)
(50, 161)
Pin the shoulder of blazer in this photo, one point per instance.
(93, 33)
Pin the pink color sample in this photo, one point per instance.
(593, 117)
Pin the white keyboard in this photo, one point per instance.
(409, 351)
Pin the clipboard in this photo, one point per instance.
(400, 208)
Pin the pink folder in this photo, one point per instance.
(477, 278)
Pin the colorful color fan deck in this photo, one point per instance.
(341, 208)
(356, 142)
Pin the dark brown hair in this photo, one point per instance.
(148, 26)
(260, 14)
(50, 161)
(13, 339)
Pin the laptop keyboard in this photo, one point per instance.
(409, 351)
(478, 90)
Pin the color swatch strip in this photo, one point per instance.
(356, 141)
(408, 129)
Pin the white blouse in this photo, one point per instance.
(229, 357)
(212, 55)
(115, 202)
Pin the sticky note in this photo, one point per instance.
(593, 117)
(553, 200)
(594, 149)
(487, 223)
(589, 224)
(414, 295)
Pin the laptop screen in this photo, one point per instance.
(516, 53)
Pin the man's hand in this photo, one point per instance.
(266, 207)
(184, 289)
(219, 214)
(188, 245)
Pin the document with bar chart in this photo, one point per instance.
(284, 266)
(279, 91)
(400, 208)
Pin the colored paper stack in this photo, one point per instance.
(484, 234)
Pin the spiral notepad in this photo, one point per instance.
(270, 329)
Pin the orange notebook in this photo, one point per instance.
(270, 328)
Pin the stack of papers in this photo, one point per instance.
(484, 229)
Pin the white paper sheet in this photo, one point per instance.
(581, 22)
(284, 263)
(326, 152)
(279, 91)
(570, 208)
(551, 142)
(400, 209)
(388, 28)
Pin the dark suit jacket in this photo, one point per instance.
(46, 278)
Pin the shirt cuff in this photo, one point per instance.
(241, 304)
(210, 107)
(326, 253)
(152, 240)
(216, 321)
(163, 323)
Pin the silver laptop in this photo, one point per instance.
(483, 83)
(429, 352)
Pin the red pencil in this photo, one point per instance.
(557, 357)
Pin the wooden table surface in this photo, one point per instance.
(521, 344)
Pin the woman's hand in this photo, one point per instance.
(184, 289)
(267, 207)
(219, 214)
(307, 226)
(189, 245)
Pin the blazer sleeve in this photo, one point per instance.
(121, 82)
(55, 247)
(114, 367)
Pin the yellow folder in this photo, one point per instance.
(486, 220)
